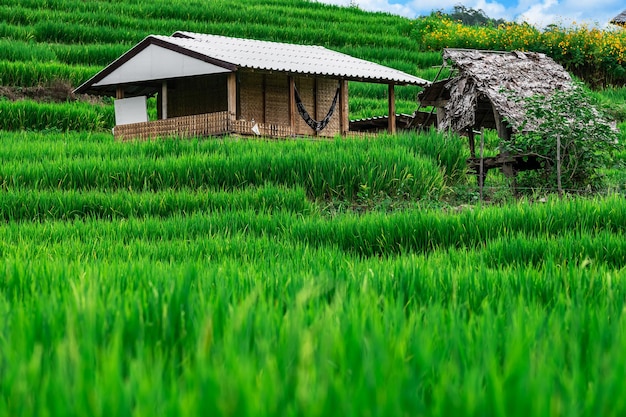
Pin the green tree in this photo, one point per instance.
(473, 17)
(587, 141)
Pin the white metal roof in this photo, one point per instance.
(285, 57)
(231, 54)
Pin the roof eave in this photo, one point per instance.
(88, 86)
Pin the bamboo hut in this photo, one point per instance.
(486, 90)
(620, 19)
(207, 85)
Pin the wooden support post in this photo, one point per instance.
(232, 95)
(558, 165)
(315, 104)
(472, 142)
(119, 92)
(264, 104)
(164, 100)
(481, 173)
(392, 109)
(292, 104)
(344, 120)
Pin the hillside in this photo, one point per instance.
(48, 42)
(355, 276)
(71, 40)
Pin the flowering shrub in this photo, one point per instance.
(596, 56)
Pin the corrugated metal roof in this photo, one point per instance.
(285, 57)
(233, 54)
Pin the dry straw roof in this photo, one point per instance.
(501, 77)
(620, 19)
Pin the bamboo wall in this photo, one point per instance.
(251, 97)
(265, 98)
(325, 93)
(198, 106)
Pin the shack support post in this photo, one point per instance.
(392, 109)
(164, 100)
(232, 95)
(292, 104)
(344, 121)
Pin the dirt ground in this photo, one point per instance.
(57, 92)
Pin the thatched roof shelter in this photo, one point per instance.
(620, 19)
(487, 88)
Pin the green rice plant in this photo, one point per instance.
(17, 32)
(89, 54)
(576, 248)
(14, 50)
(73, 54)
(448, 150)
(381, 91)
(373, 234)
(325, 169)
(27, 74)
(180, 277)
(26, 205)
(191, 337)
(362, 107)
(31, 115)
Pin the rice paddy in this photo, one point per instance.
(241, 294)
(232, 277)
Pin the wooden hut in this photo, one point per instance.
(486, 90)
(620, 19)
(208, 84)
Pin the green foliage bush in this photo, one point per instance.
(587, 141)
(32, 115)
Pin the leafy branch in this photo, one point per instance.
(587, 140)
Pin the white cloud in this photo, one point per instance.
(385, 6)
(537, 12)
(375, 6)
(492, 9)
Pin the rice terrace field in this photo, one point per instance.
(254, 277)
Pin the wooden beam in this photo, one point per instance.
(264, 106)
(392, 109)
(119, 92)
(472, 142)
(164, 100)
(232, 95)
(344, 118)
(292, 104)
(315, 104)
(503, 131)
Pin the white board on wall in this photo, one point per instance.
(130, 110)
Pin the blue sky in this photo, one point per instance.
(537, 12)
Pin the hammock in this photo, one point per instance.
(315, 125)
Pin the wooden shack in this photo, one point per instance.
(486, 89)
(207, 85)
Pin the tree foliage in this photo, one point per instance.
(587, 141)
(473, 17)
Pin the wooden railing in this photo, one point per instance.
(185, 126)
(200, 125)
